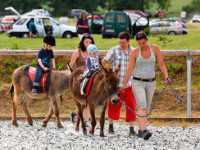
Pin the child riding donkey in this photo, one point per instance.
(45, 55)
(92, 65)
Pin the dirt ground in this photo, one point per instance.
(166, 105)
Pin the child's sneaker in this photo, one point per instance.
(34, 92)
(80, 78)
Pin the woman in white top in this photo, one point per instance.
(141, 64)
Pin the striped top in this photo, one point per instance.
(145, 67)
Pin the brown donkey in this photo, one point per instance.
(104, 86)
(59, 81)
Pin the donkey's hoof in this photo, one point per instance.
(44, 124)
(84, 132)
(91, 131)
(77, 129)
(102, 135)
(31, 124)
(59, 125)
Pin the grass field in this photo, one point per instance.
(189, 41)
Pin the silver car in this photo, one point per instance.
(165, 27)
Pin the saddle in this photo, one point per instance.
(86, 83)
(45, 80)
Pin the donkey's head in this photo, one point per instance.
(111, 84)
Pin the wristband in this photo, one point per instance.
(43, 68)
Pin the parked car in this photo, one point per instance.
(166, 27)
(139, 12)
(44, 26)
(196, 18)
(38, 12)
(148, 14)
(118, 21)
(115, 22)
(8, 19)
(75, 13)
(64, 20)
(97, 23)
(160, 14)
(174, 21)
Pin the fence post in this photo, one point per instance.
(189, 65)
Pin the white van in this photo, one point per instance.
(44, 26)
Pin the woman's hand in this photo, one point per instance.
(168, 79)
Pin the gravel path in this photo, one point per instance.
(50, 138)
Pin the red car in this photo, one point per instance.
(160, 14)
(9, 19)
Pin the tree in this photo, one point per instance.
(194, 6)
(137, 4)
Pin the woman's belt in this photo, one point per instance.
(145, 80)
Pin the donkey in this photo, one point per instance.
(103, 87)
(59, 81)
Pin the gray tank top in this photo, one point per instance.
(145, 67)
(81, 61)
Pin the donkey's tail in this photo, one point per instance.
(11, 91)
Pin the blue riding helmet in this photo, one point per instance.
(91, 48)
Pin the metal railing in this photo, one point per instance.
(187, 53)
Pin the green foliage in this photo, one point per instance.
(196, 72)
(15, 46)
(1, 83)
(9, 79)
(174, 69)
(6, 62)
(59, 66)
(47, 5)
(193, 7)
(2, 70)
(21, 63)
(61, 7)
(33, 63)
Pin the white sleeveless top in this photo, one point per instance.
(145, 67)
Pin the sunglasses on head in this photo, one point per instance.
(88, 36)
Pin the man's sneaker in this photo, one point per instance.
(111, 130)
(132, 132)
(145, 134)
(73, 117)
(34, 92)
(87, 124)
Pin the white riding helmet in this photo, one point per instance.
(91, 48)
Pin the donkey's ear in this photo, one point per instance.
(117, 69)
(68, 67)
(104, 69)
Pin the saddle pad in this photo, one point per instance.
(32, 72)
(45, 80)
(88, 86)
